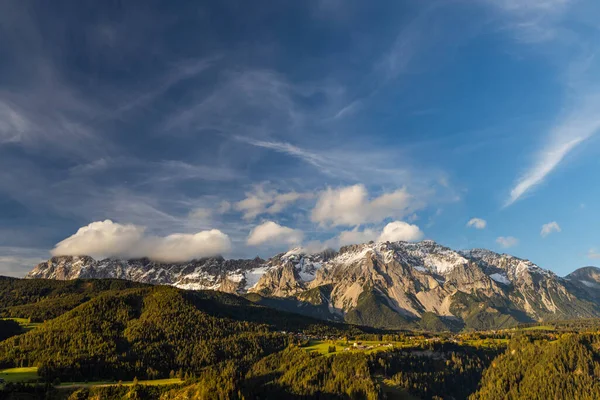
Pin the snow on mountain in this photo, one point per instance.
(253, 276)
(589, 284)
(207, 274)
(500, 278)
(438, 259)
(425, 257)
(306, 265)
(409, 278)
(512, 265)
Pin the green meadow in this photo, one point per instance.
(26, 374)
(25, 324)
(322, 346)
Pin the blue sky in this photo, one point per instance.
(179, 129)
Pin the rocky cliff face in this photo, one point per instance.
(480, 287)
(212, 273)
(399, 281)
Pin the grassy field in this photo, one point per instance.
(155, 382)
(24, 322)
(323, 346)
(487, 343)
(29, 374)
(539, 328)
(26, 374)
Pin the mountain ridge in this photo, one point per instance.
(380, 284)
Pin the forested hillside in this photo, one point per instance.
(224, 346)
(142, 332)
(43, 299)
(567, 368)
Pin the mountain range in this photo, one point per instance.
(379, 284)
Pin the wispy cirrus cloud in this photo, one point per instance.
(262, 201)
(533, 21)
(578, 126)
(312, 158)
(17, 261)
(554, 29)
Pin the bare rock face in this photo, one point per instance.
(211, 273)
(410, 279)
(586, 280)
(290, 273)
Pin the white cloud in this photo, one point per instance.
(593, 254)
(507, 241)
(272, 233)
(345, 206)
(477, 223)
(182, 246)
(316, 246)
(267, 202)
(393, 232)
(549, 228)
(103, 239)
(351, 206)
(109, 239)
(400, 231)
(356, 236)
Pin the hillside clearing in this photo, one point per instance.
(25, 374)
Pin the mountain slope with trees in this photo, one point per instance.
(148, 332)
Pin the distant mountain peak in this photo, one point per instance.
(409, 278)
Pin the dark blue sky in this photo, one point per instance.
(247, 128)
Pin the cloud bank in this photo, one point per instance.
(108, 239)
(393, 232)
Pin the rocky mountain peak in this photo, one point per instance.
(403, 278)
(588, 276)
